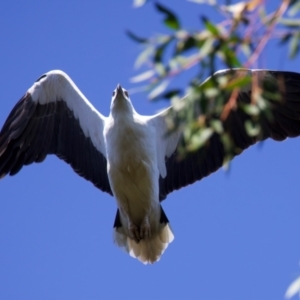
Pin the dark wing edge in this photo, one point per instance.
(199, 164)
(33, 130)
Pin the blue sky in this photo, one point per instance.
(236, 233)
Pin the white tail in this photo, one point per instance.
(149, 250)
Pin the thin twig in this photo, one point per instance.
(230, 105)
(280, 11)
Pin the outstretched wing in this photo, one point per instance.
(54, 117)
(177, 173)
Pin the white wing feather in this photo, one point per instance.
(57, 86)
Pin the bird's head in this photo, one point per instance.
(120, 98)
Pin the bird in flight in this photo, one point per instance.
(129, 156)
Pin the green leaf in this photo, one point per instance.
(184, 45)
(170, 18)
(294, 45)
(238, 82)
(217, 126)
(229, 57)
(160, 49)
(198, 139)
(285, 38)
(136, 38)
(252, 129)
(210, 26)
(170, 94)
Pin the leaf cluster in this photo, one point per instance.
(235, 42)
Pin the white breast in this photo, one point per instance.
(132, 164)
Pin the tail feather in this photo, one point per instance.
(150, 250)
(147, 250)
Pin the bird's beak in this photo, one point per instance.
(119, 90)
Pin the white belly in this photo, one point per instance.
(134, 179)
(132, 169)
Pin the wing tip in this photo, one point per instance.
(2, 175)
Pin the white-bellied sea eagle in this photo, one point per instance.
(131, 156)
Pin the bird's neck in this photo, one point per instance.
(122, 109)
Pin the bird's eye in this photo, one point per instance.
(114, 93)
(126, 93)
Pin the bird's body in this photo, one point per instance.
(134, 178)
(130, 156)
(130, 174)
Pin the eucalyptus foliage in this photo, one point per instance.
(235, 42)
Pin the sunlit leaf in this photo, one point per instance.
(235, 9)
(158, 89)
(252, 129)
(207, 47)
(251, 109)
(177, 62)
(294, 9)
(199, 139)
(210, 2)
(139, 3)
(160, 69)
(293, 289)
(144, 76)
(144, 56)
(290, 22)
(211, 92)
(170, 18)
(217, 126)
(140, 89)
